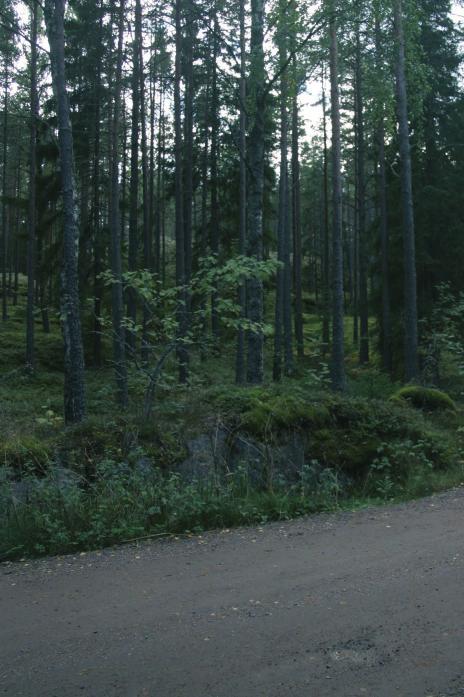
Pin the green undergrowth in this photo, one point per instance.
(121, 505)
(379, 442)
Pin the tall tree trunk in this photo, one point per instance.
(117, 301)
(182, 353)
(384, 233)
(361, 204)
(296, 221)
(240, 365)
(159, 256)
(32, 218)
(146, 230)
(4, 199)
(215, 235)
(255, 357)
(188, 153)
(338, 333)
(123, 204)
(410, 280)
(74, 390)
(283, 315)
(151, 168)
(134, 186)
(97, 241)
(326, 241)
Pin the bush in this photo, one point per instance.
(425, 398)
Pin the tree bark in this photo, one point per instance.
(32, 218)
(146, 229)
(134, 185)
(283, 316)
(74, 389)
(296, 222)
(215, 234)
(338, 333)
(240, 365)
(384, 232)
(97, 241)
(361, 205)
(117, 300)
(255, 357)
(326, 239)
(182, 353)
(411, 367)
(4, 199)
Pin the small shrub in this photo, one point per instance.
(425, 398)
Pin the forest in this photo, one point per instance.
(231, 263)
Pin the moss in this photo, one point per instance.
(343, 450)
(425, 398)
(26, 452)
(282, 413)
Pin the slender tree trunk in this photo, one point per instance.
(410, 280)
(134, 188)
(188, 154)
(151, 169)
(4, 200)
(117, 301)
(326, 246)
(182, 353)
(74, 391)
(361, 204)
(240, 366)
(215, 235)
(384, 232)
(32, 219)
(123, 204)
(159, 256)
(283, 315)
(146, 230)
(97, 242)
(296, 219)
(338, 333)
(255, 357)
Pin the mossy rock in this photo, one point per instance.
(344, 450)
(282, 413)
(425, 398)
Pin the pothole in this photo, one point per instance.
(358, 657)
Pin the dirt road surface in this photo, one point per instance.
(349, 605)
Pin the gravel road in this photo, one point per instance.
(368, 604)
